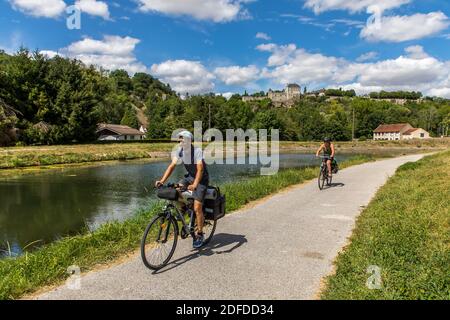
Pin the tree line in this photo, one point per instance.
(396, 95)
(310, 118)
(59, 100)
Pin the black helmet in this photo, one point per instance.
(326, 139)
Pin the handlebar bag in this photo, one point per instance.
(167, 193)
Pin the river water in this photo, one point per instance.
(46, 206)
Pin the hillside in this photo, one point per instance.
(60, 100)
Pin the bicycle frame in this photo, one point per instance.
(187, 228)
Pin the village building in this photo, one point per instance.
(416, 133)
(399, 131)
(115, 132)
(286, 97)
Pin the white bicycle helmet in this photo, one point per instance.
(186, 134)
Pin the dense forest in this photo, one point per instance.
(58, 100)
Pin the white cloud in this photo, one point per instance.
(94, 8)
(113, 45)
(280, 54)
(367, 56)
(49, 53)
(185, 76)
(405, 28)
(55, 8)
(215, 10)
(319, 6)
(416, 52)
(263, 36)
(440, 92)
(416, 70)
(226, 95)
(40, 8)
(236, 75)
(111, 53)
(403, 71)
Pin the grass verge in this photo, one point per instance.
(405, 231)
(48, 265)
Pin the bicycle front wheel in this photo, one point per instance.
(322, 178)
(159, 242)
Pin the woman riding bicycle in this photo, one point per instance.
(328, 151)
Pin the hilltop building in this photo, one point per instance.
(285, 98)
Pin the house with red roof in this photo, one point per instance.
(115, 132)
(399, 131)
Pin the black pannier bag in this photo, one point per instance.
(168, 193)
(214, 208)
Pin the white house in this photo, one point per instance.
(115, 132)
(399, 131)
(416, 133)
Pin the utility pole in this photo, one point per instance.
(353, 125)
(209, 112)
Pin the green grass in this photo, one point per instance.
(19, 157)
(48, 265)
(406, 232)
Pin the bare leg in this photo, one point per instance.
(198, 208)
(329, 167)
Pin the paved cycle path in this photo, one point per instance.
(279, 249)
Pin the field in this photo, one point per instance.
(405, 232)
(21, 157)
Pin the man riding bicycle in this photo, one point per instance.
(196, 180)
(328, 151)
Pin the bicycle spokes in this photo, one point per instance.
(159, 242)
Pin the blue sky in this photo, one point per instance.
(234, 45)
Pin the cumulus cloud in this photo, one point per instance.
(49, 53)
(94, 8)
(214, 10)
(111, 53)
(185, 76)
(55, 8)
(40, 8)
(415, 70)
(440, 92)
(226, 95)
(263, 36)
(405, 28)
(367, 56)
(280, 54)
(236, 75)
(319, 6)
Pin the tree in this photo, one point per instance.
(130, 118)
(8, 121)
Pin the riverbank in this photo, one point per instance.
(405, 231)
(48, 265)
(45, 156)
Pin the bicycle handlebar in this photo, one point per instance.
(173, 185)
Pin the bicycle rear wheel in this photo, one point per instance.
(209, 227)
(159, 242)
